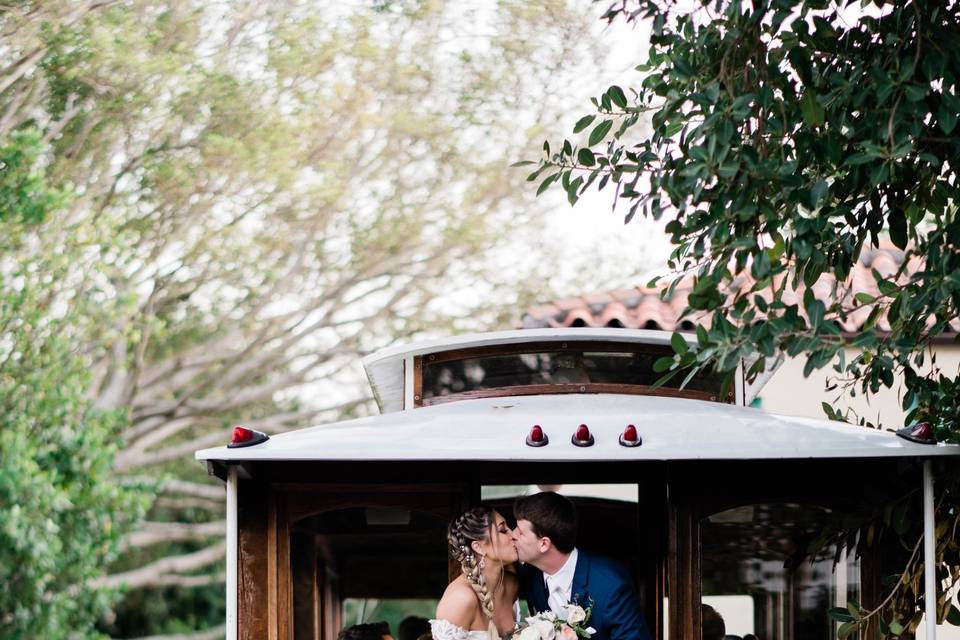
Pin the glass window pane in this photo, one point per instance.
(759, 581)
(586, 365)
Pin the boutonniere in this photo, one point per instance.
(576, 618)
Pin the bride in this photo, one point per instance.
(479, 603)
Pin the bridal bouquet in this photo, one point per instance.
(570, 625)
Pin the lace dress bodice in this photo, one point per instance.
(446, 630)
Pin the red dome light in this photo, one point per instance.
(922, 433)
(241, 434)
(629, 437)
(582, 437)
(536, 437)
(244, 437)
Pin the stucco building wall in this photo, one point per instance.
(790, 393)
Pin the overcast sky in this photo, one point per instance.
(625, 253)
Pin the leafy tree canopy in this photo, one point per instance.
(782, 138)
(63, 512)
(255, 194)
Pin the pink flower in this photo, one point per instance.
(567, 633)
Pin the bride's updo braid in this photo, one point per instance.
(473, 525)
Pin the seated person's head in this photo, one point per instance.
(713, 626)
(412, 627)
(366, 631)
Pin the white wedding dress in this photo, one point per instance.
(446, 630)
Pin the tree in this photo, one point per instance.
(782, 138)
(261, 193)
(63, 513)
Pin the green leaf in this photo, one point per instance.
(547, 182)
(887, 286)
(818, 192)
(953, 616)
(815, 312)
(572, 195)
(583, 123)
(896, 628)
(898, 227)
(586, 157)
(679, 344)
(840, 614)
(947, 118)
(859, 158)
(662, 380)
(617, 96)
(854, 608)
(600, 132)
(811, 109)
(846, 629)
(663, 364)
(523, 163)
(673, 129)
(914, 92)
(827, 410)
(864, 298)
(536, 174)
(702, 335)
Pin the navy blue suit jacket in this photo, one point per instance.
(615, 615)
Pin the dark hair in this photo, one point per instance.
(412, 627)
(712, 621)
(367, 631)
(551, 516)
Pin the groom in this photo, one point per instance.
(556, 573)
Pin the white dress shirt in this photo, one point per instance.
(560, 584)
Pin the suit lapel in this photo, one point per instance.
(538, 591)
(581, 575)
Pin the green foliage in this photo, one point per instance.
(784, 142)
(24, 194)
(781, 141)
(260, 193)
(61, 508)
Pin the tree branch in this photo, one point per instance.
(144, 576)
(209, 634)
(151, 533)
(210, 492)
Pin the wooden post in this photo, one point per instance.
(684, 574)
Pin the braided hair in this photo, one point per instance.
(471, 526)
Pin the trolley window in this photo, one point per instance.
(553, 367)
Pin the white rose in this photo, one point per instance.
(545, 629)
(575, 613)
(530, 633)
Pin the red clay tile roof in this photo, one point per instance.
(642, 308)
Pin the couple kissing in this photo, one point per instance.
(570, 593)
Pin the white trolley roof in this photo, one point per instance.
(495, 429)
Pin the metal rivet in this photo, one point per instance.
(432, 357)
(563, 345)
(583, 388)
